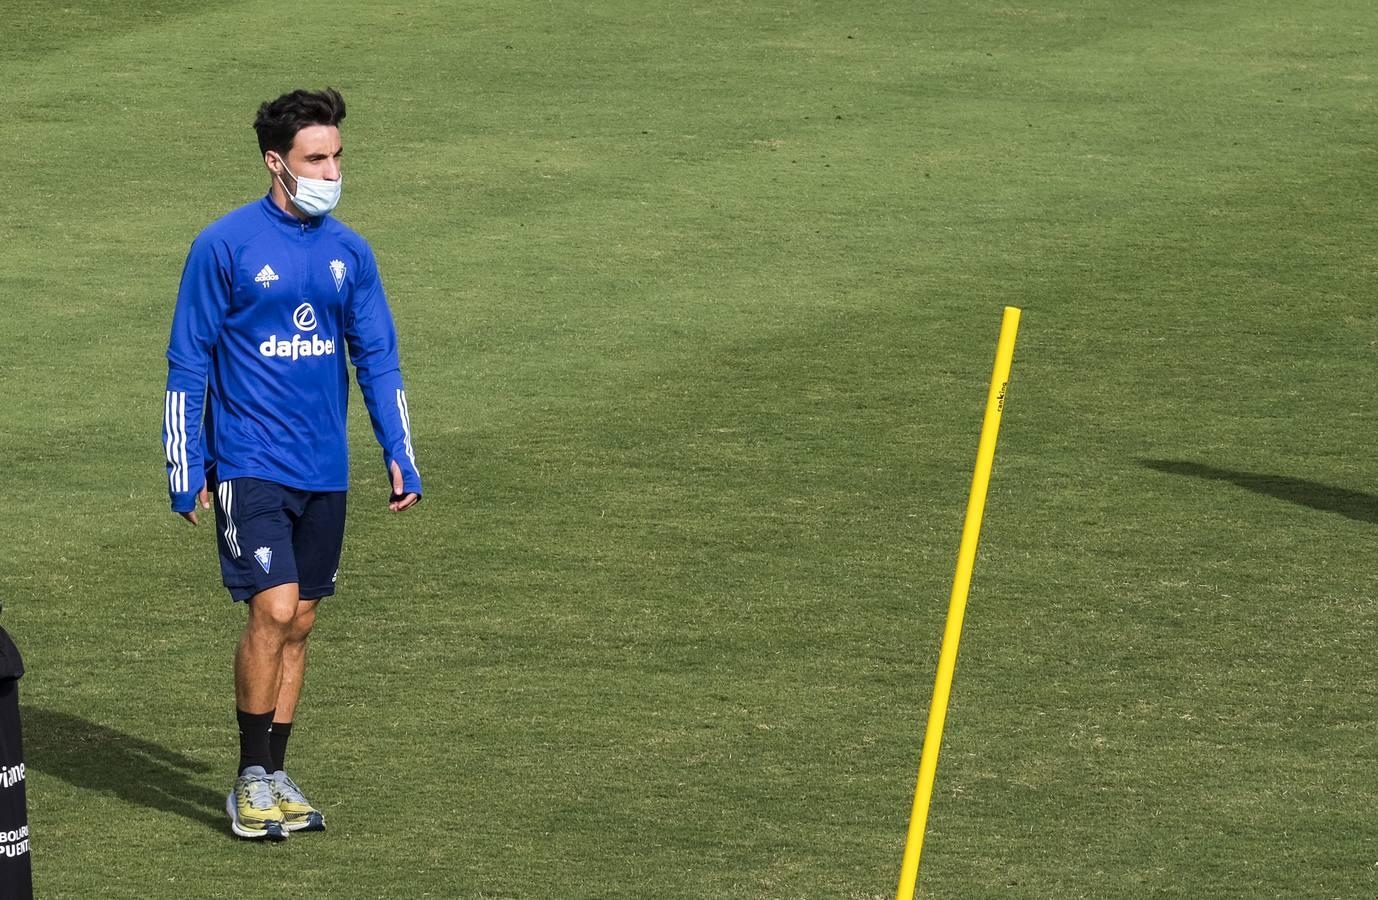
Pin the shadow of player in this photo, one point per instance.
(97, 758)
(1351, 504)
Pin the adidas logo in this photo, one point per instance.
(265, 275)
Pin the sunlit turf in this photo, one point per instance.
(697, 304)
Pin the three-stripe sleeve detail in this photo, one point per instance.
(405, 413)
(175, 441)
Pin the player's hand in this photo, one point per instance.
(203, 500)
(398, 501)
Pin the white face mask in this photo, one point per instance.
(314, 196)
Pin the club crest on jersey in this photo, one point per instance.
(266, 275)
(264, 555)
(337, 268)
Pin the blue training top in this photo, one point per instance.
(264, 302)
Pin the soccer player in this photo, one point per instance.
(272, 297)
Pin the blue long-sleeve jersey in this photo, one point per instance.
(267, 307)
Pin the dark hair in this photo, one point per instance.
(278, 121)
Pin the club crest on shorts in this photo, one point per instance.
(264, 555)
(337, 268)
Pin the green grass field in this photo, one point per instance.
(698, 304)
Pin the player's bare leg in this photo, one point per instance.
(298, 813)
(293, 668)
(252, 804)
(258, 661)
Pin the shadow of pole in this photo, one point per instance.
(94, 757)
(1351, 504)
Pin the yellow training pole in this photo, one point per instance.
(956, 608)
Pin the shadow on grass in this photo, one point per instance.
(1350, 504)
(96, 758)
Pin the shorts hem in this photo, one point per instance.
(246, 592)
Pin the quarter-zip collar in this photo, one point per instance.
(282, 217)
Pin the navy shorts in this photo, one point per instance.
(271, 535)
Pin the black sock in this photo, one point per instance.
(277, 744)
(253, 740)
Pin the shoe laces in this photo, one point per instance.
(288, 790)
(260, 791)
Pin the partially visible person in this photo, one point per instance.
(16, 866)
